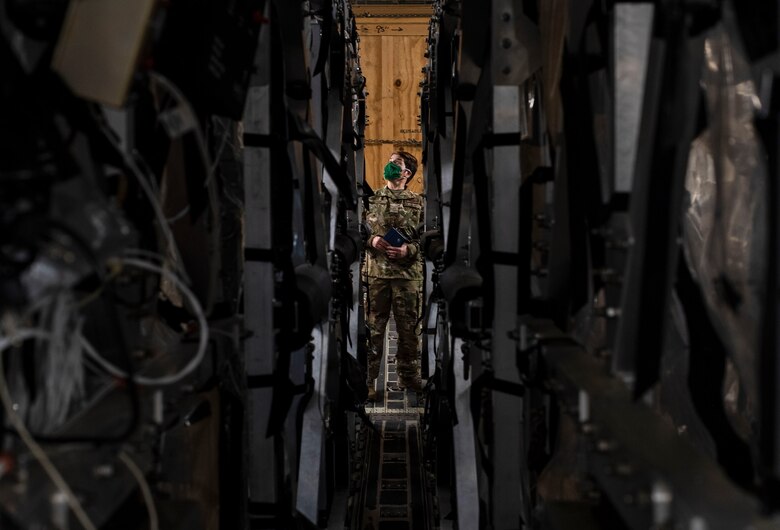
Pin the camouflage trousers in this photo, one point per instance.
(404, 298)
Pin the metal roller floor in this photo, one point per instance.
(392, 485)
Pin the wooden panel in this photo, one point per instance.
(388, 105)
(392, 63)
(392, 27)
(408, 59)
(406, 11)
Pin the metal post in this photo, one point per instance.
(508, 508)
(466, 486)
(311, 475)
(259, 346)
(632, 33)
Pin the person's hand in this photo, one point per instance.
(380, 244)
(397, 252)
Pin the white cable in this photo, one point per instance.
(93, 365)
(148, 187)
(60, 364)
(146, 491)
(194, 306)
(215, 164)
(162, 221)
(184, 211)
(143, 253)
(182, 100)
(218, 155)
(208, 185)
(38, 304)
(24, 434)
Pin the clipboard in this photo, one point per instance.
(395, 238)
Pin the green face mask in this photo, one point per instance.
(392, 171)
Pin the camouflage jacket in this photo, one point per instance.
(403, 210)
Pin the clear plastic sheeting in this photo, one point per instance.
(724, 227)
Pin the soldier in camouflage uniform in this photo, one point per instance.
(395, 274)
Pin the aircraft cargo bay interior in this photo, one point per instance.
(389, 264)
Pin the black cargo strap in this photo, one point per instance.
(263, 140)
(259, 254)
(501, 258)
(488, 380)
(501, 139)
(303, 132)
(271, 380)
(264, 515)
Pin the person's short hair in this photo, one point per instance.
(410, 161)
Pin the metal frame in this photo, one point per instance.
(259, 283)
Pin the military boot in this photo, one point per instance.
(413, 383)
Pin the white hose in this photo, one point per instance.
(146, 491)
(194, 306)
(27, 438)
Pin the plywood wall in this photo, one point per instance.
(392, 52)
